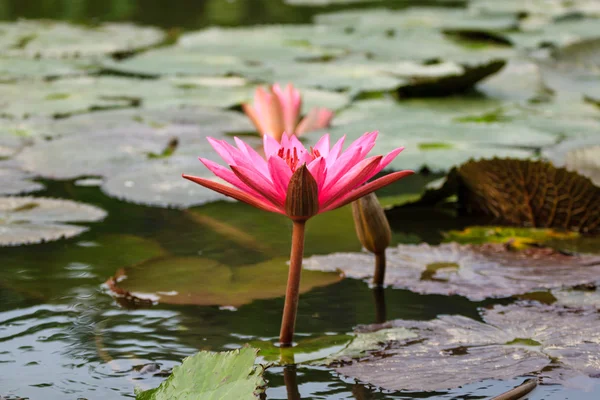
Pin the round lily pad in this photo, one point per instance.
(474, 271)
(27, 220)
(13, 68)
(580, 155)
(15, 181)
(159, 183)
(100, 154)
(512, 340)
(59, 39)
(199, 281)
(183, 61)
(438, 134)
(579, 297)
(257, 44)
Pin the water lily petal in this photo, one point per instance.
(271, 146)
(366, 142)
(260, 184)
(229, 177)
(335, 152)
(234, 193)
(368, 188)
(322, 146)
(280, 174)
(356, 176)
(346, 161)
(317, 169)
(256, 160)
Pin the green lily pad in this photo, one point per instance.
(58, 39)
(12, 68)
(416, 124)
(322, 3)
(90, 154)
(257, 44)
(85, 264)
(199, 281)
(580, 155)
(159, 183)
(183, 61)
(559, 33)
(28, 220)
(511, 341)
(547, 8)
(518, 238)
(518, 81)
(474, 271)
(64, 97)
(211, 376)
(306, 349)
(15, 181)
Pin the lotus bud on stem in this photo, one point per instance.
(373, 231)
(302, 202)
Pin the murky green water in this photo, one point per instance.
(63, 337)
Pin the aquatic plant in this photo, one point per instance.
(298, 183)
(278, 110)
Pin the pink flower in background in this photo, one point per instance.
(336, 177)
(278, 110)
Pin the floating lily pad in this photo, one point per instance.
(59, 39)
(512, 341)
(548, 8)
(303, 350)
(518, 81)
(558, 33)
(418, 124)
(12, 68)
(15, 181)
(94, 155)
(64, 97)
(582, 156)
(518, 238)
(212, 376)
(27, 220)
(158, 183)
(474, 271)
(194, 280)
(257, 44)
(183, 61)
(578, 298)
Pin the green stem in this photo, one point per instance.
(290, 308)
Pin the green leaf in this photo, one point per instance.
(200, 281)
(304, 350)
(212, 376)
(517, 237)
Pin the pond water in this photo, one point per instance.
(63, 336)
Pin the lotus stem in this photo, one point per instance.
(380, 308)
(290, 308)
(379, 275)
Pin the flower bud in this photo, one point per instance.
(302, 199)
(372, 227)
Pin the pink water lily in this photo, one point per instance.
(278, 110)
(340, 176)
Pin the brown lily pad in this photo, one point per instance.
(201, 281)
(474, 271)
(511, 341)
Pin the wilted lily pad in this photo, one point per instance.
(200, 281)
(212, 376)
(513, 340)
(474, 271)
(26, 220)
(59, 39)
(581, 297)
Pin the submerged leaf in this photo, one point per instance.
(27, 220)
(474, 271)
(211, 376)
(304, 349)
(513, 340)
(15, 181)
(529, 193)
(200, 281)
